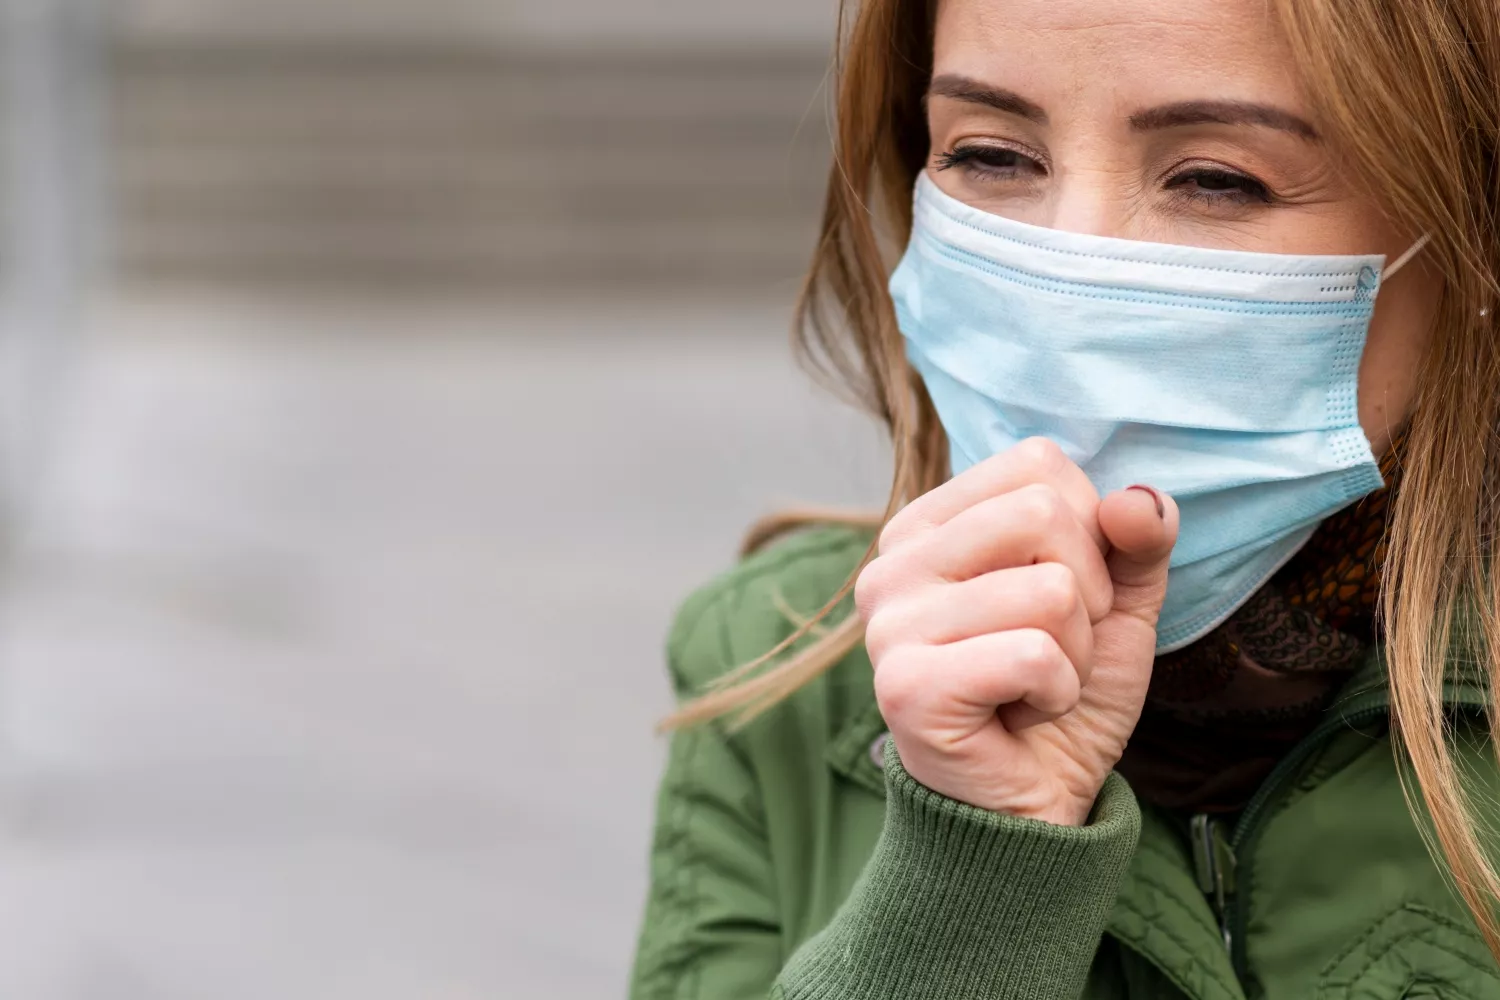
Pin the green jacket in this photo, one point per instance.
(796, 859)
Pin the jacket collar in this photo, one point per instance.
(1466, 684)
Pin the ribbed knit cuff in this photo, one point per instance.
(959, 903)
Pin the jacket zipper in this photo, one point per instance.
(1214, 864)
(1228, 862)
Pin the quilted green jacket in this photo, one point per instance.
(797, 859)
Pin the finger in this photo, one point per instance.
(1141, 525)
(1035, 460)
(958, 687)
(1045, 596)
(1030, 525)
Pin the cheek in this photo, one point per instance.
(1398, 340)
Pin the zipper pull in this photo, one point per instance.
(1214, 862)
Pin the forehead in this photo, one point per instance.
(1138, 51)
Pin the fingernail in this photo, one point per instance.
(1161, 510)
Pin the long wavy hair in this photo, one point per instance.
(1409, 91)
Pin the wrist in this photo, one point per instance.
(1051, 801)
(1072, 812)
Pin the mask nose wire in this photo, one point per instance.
(1405, 258)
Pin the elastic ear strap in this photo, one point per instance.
(1405, 258)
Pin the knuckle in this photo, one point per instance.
(891, 626)
(1039, 455)
(1037, 651)
(880, 636)
(888, 578)
(1054, 588)
(1056, 683)
(898, 685)
(872, 586)
(1041, 506)
(904, 525)
(893, 534)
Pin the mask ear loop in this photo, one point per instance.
(1405, 258)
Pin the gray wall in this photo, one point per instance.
(666, 141)
(653, 23)
(332, 645)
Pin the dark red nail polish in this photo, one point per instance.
(1161, 510)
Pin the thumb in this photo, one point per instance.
(1140, 524)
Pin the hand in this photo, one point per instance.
(1011, 619)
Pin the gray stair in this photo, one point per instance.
(524, 170)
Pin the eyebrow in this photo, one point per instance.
(1179, 115)
(1221, 113)
(961, 88)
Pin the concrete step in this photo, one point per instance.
(499, 167)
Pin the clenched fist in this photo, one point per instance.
(1011, 618)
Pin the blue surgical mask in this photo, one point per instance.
(1226, 379)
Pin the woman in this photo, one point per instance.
(1186, 289)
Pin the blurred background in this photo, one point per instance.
(375, 378)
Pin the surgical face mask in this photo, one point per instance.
(1226, 379)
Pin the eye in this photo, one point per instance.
(989, 162)
(1219, 184)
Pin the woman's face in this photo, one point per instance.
(1170, 122)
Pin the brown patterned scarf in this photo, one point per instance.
(1221, 712)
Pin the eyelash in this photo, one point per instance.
(974, 160)
(1248, 189)
(1235, 188)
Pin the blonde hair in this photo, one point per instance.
(1409, 91)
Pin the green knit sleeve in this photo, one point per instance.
(959, 903)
